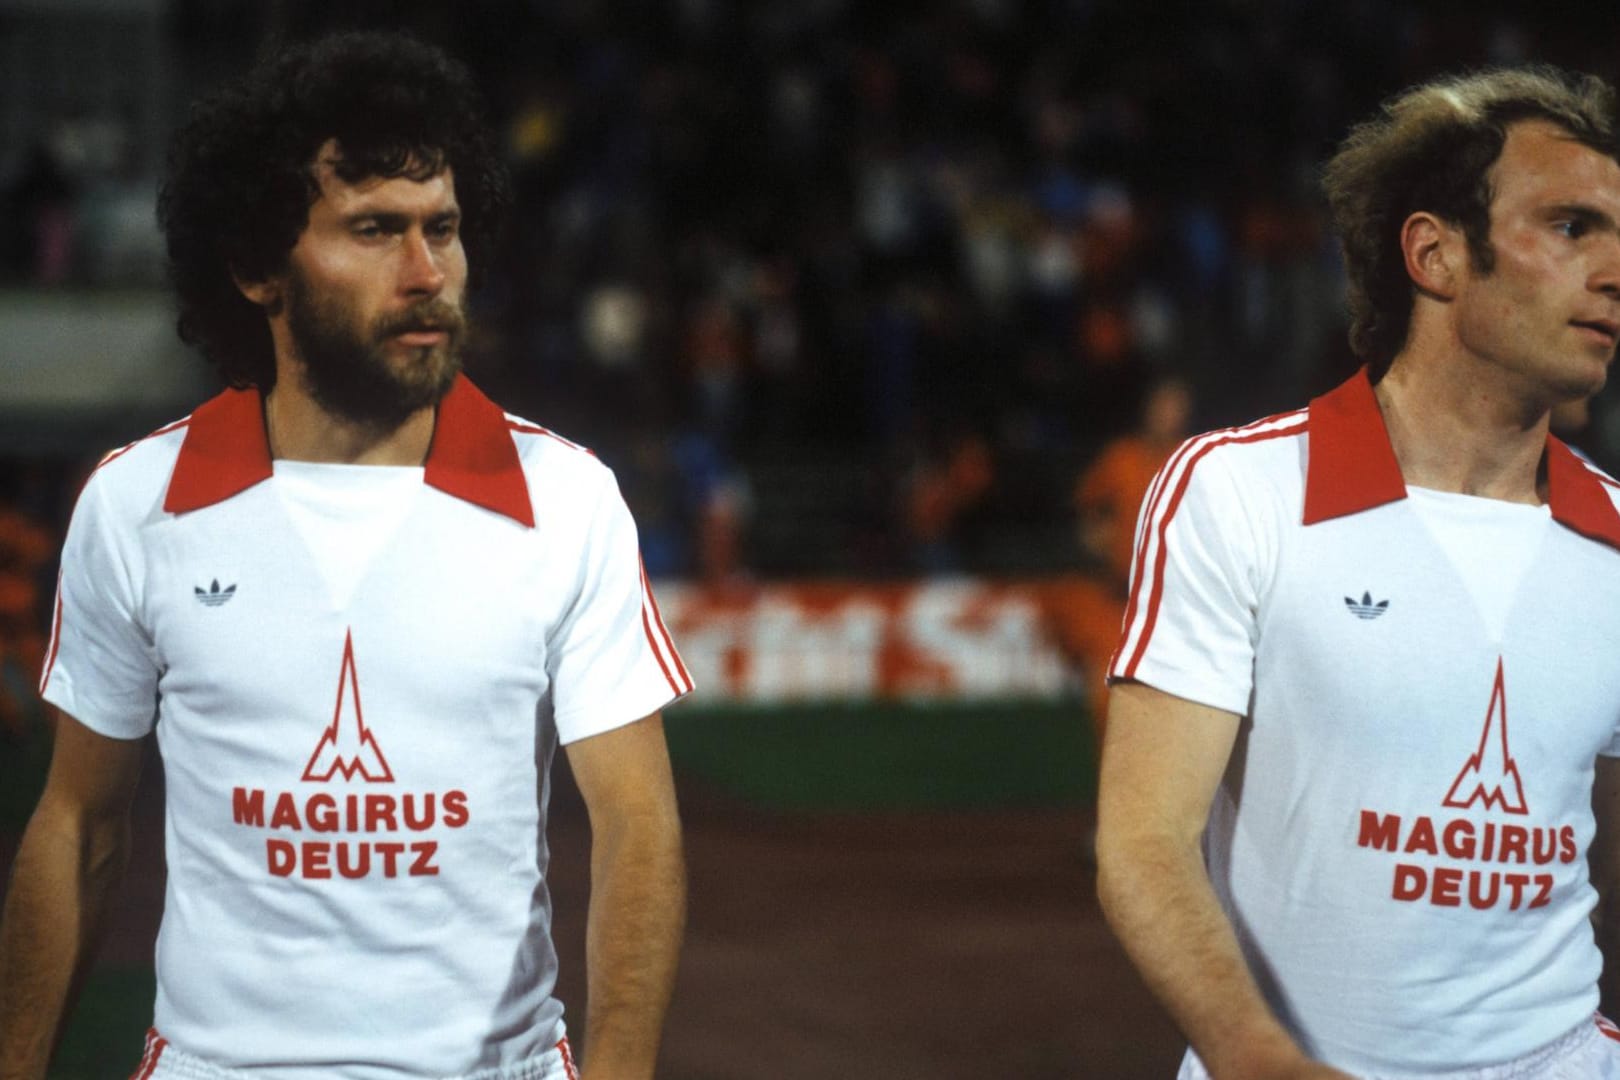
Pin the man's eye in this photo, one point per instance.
(368, 229)
(1574, 230)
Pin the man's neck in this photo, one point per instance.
(1462, 431)
(300, 430)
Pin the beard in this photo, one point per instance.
(347, 368)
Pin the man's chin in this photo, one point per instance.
(389, 397)
(437, 372)
(1598, 380)
(423, 388)
(1585, 380)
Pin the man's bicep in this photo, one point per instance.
(91, 773)
(1163, 759)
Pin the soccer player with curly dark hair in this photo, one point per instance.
(247, 168)
(361, 606)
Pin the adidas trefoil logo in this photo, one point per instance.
(213, 596)
(1365, 608)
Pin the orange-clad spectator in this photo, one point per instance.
(1106, 337)
(1085, 611)
(940, 493)
(1109, 492)
(25, 547)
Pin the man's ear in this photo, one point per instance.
(265, 292)
(1436, 252)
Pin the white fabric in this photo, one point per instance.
(357, 769)
(1489, 543)
(345, 514)
(164, 1062)
(1389, 931)
(1585, 1053)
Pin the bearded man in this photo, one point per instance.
(361, 606)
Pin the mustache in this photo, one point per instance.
(427, 315)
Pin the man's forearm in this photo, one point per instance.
(1606, 924)
(1157, 898)
(1161, 768)
(637, 915)
(60, 885)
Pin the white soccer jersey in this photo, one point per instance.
(1400, 838)
(358, 677)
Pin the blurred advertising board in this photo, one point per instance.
(954, 640)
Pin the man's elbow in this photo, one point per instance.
(1118, 872)
(97, 839)
(106, 850)
(651, 830)
(1135, 864)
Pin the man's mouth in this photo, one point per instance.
(1607, 329)
(422, 335)
(427, 323)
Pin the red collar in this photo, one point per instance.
(472, 457)
(1351, 467)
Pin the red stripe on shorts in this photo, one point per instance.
(149, 1059)
(568, 1058)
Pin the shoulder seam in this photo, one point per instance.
(1175, 477)
(1190, 451)
(523, 427)
(113, 455)
(1603, 477)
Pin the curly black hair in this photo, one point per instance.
(241, 172)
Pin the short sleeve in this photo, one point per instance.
(610, 659)
(1191, 623)
(101, 668)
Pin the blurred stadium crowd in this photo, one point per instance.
(845, 289)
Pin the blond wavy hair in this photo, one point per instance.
(1431, 148)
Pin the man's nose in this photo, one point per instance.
(1605, 277)
(420, 272)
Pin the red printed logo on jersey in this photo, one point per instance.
(340, 831)
(1470, 859)
(1491, 775)
(348, 746)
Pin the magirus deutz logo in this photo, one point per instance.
(1476, 861)
(347, 828)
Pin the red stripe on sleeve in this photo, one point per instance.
(1155, 493)
(649, 600)
(56, 637)
(107, 459)
(646, 626)
(1156, 594)
(536, 429)
(113, 455)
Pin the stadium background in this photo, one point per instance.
(851, 297)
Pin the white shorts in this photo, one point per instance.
(1590, 1052)
(160, 1061)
